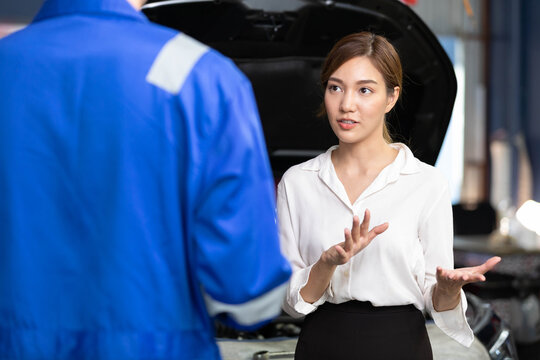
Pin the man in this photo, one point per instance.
(136, 198)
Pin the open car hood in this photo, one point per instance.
(280, 46)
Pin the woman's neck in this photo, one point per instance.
(364, 157)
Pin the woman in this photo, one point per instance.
(363, 290)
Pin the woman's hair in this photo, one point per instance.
(376, 48)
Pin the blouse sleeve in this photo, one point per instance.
(294, 304)
(436, 236)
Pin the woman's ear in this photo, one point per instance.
(392, 99)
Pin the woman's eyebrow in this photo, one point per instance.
(339, 81)
(367, 81)
(359, 82)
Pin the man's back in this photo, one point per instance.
(123, 153)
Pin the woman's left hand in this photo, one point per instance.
(446, 295)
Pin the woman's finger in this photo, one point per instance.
(365, 223)
(341, 252)
(475, 278)
(440, 273)
(485, 267)
(379, 229)
(348, 240)
(355, 231)
(490, 264)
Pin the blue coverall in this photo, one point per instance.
(136, 196)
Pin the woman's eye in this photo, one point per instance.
(334, 88)
(365, 90)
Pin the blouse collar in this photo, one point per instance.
(404, 164)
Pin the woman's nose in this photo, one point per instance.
(347, 102)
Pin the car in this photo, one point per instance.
(280, 46)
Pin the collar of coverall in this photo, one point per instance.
(54, 8)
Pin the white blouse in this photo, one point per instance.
(398, 267)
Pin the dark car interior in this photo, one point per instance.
(282, 52)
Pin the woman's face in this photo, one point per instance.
(356, 100)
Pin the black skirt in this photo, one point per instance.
(359, 330)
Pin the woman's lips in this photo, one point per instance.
(347, 123)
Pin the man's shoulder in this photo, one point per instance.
(181, 57)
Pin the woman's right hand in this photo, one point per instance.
(356, 239)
